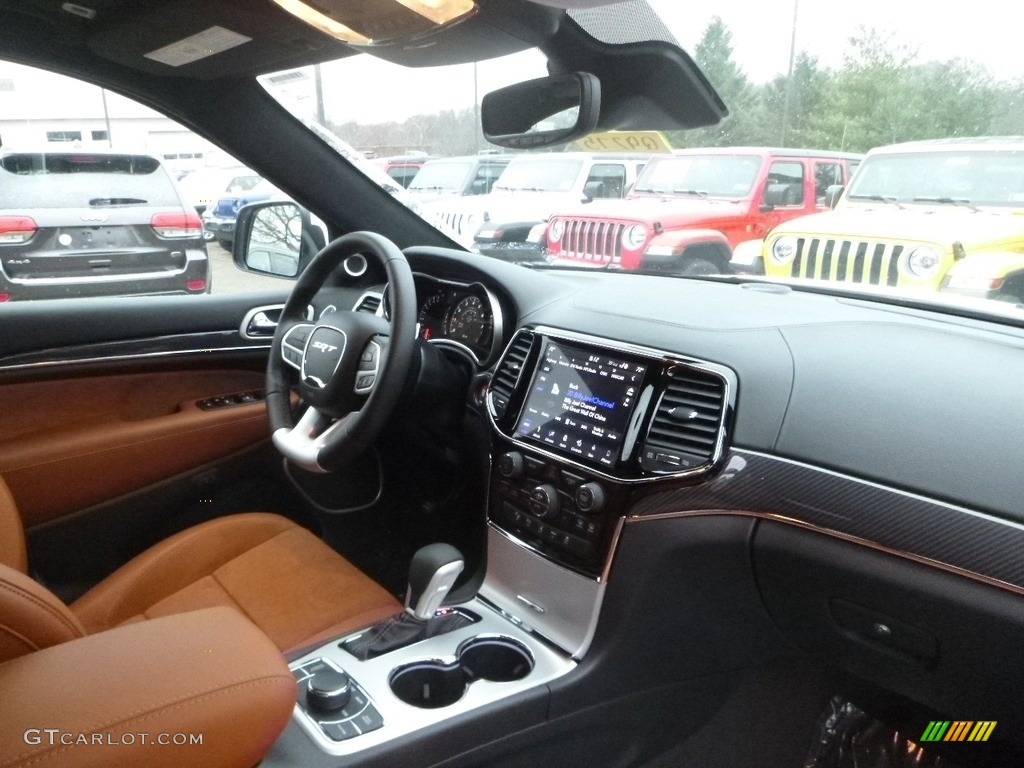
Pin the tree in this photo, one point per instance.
(713, 55)
(809, 92)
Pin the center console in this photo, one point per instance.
(580, 426)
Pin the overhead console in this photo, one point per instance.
(581, 421)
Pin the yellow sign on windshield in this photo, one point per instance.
(625, 141)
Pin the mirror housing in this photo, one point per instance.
(832, 194)
(519, 116)
(276, 238)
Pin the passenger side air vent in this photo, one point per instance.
(368, 302)
(506, 375)
(687, 426)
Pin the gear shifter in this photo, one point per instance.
(432, 572)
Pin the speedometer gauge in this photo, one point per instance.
(431, 317)
(469, 321)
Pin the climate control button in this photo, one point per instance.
(543, 501)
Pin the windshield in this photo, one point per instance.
(543, 174)
(978, 177)
(443, 177)
(811, 91)
(705, 175)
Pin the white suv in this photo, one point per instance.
(526, 193)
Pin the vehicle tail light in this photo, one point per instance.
(177, 224)
(4, 297)
(196, 286)
(15, 230)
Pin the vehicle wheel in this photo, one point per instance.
(699, 267)
(353, 364)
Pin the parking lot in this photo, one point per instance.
(227, 278)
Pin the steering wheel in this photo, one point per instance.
(351, 365)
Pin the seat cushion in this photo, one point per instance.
(285, 579)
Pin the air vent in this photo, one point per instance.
(369, 302)
(685, 431)
(506, 376)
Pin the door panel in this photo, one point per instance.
(101, 396)
(69, 444)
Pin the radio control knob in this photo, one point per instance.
(590, 497)
(511, 465)
(328, 690)
(543, 500)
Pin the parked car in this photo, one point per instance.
(95, 223)
(531, 186)
(418, 508)
(688, 211)
(219, 222)
(402, 168)
(202, 188)
(455, 176)
(944, 215)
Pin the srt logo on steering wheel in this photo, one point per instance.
(323, 347)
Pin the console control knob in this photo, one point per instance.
(590, 497)
(511, 465)
(328, 690)
(543, 500)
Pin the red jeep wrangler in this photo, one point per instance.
(690, 210)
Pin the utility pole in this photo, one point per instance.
(789, 76)
(318, 83)
(106, 117)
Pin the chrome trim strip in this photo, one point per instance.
(777, 518)
(243, 329)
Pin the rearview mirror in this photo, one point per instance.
(542, 112)
(832, 194)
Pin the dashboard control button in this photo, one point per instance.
(544, 501)
(511, 465)
(340, 731)
(590, 497)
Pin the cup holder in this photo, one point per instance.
(433, 683)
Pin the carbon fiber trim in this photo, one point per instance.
(954, 538)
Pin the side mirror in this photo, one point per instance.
(774, 196)
(832, 194)
(542, 112)
(275, 239)
(593, 189)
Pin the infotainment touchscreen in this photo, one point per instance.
(580, 401)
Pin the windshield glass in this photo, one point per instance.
(979, 177)
(706, 175)
(540, 175)
(445, 176)
(811, 91)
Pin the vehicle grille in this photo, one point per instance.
(849, 261)
(592, 240)
(452, 223)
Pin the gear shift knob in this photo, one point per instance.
(432, 572)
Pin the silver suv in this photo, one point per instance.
(95, 223)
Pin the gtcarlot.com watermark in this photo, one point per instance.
(53, 737)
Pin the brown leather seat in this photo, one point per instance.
(286, 580)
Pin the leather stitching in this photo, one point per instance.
(17, 636)
(19, 592)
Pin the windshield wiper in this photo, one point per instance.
(961, 201)
(696, 192)
(877, 198)
(100, 201)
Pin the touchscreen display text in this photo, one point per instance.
(580, 401)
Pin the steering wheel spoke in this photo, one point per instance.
(351, 365)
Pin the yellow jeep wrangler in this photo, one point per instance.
(944, 215)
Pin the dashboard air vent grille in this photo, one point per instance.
(369, 302)
(506, 376)
(685, 430)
